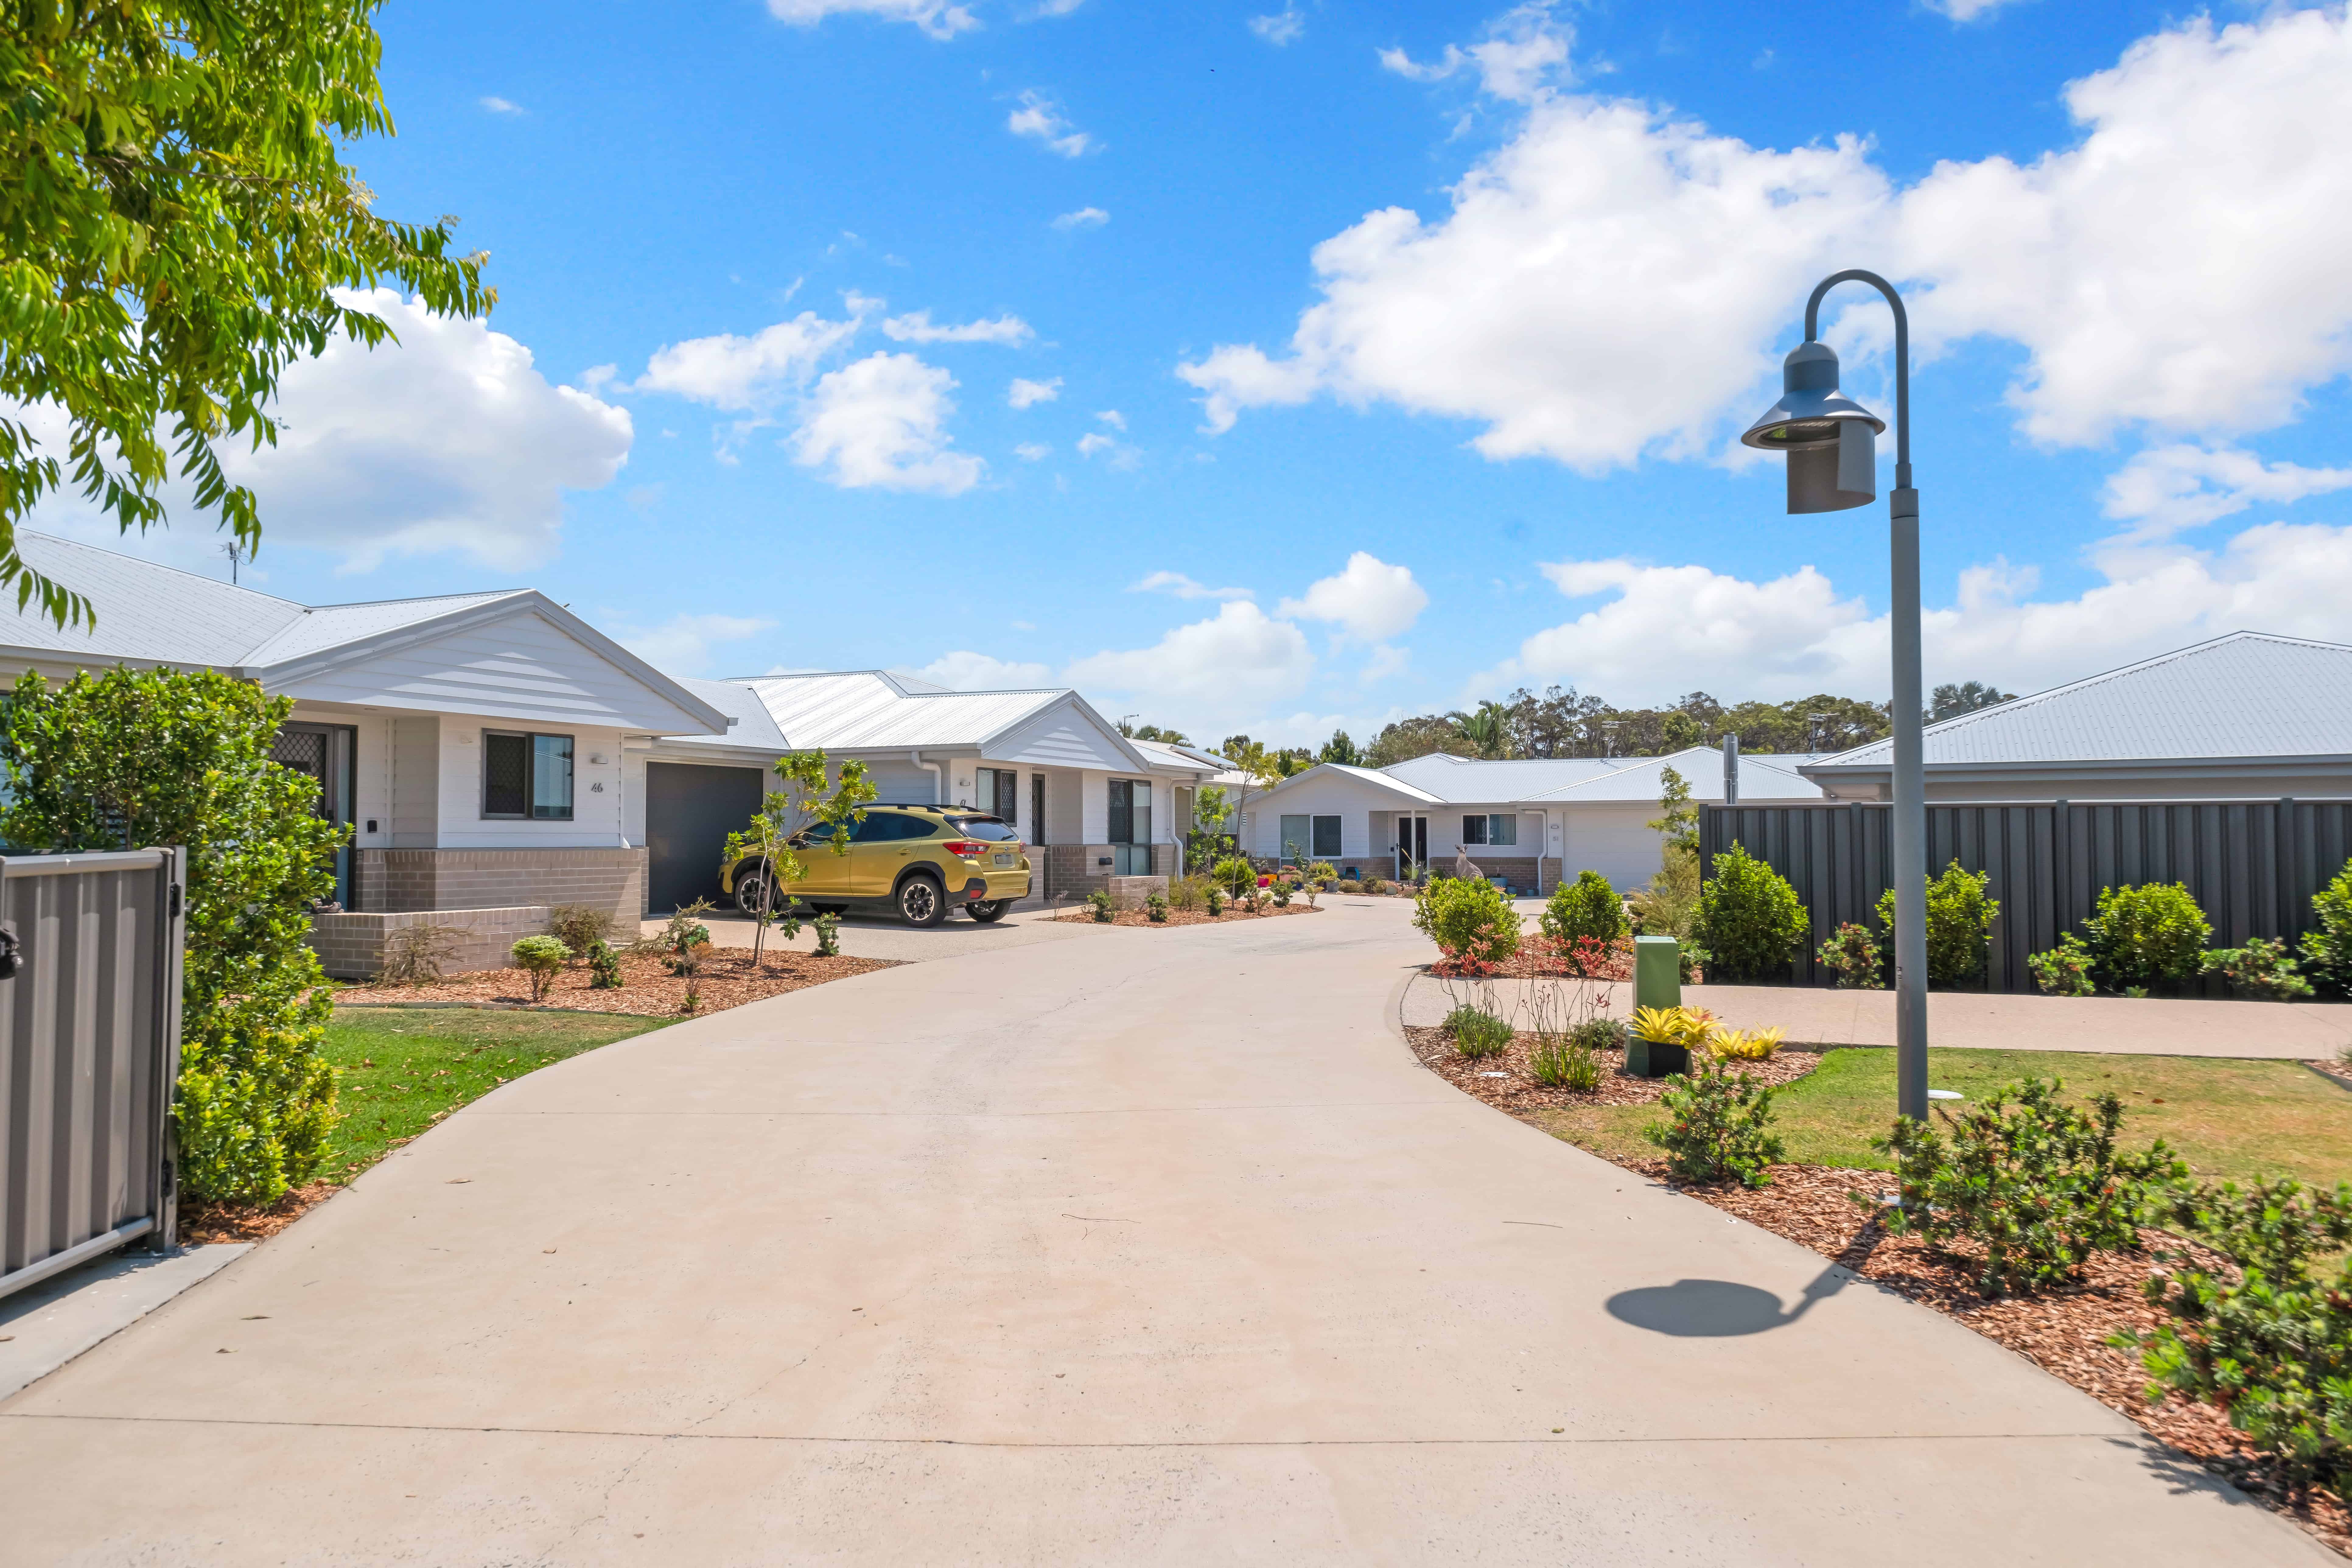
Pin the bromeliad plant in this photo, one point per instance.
(2035, 1180)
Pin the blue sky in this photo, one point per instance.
(1380, 357)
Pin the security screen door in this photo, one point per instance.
(1130, 828)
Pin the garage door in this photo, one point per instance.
(689, 812)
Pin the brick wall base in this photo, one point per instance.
(350, 946)
(1134, 892)
(402, 881)
(1518, 870)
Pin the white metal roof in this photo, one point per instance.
(2248, 694)
(1381, 779)
(316, 631)
(1165, 758)
(1450, 778)
(870, 710)
(1762, 776)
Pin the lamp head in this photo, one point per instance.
(1831, 441)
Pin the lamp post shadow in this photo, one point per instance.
(1720, 1309)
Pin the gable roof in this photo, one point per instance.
(2246, 695)
(145, 613)
(1378, 778)
(1473, 781)
(1764, 775)
(1445, 777)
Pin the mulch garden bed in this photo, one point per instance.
(647, 989)
(1184, 917)
(205, 1224)
(2064, 1332)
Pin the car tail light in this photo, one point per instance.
(967, 847)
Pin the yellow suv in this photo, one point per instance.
(916, 859)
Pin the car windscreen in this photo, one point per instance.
(994, 829)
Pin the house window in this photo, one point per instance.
(1294, 834)
(1499, 827)
(527, 776)
(998, 792)
(1327, 838)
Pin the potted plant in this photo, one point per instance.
(1659, 1039)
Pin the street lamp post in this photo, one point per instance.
(1829, 441)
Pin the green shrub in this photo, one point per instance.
(1214, 900)
(1477, 1033)
(541, 957)
(1281, 891)
(171, 757)
(580, 927)
(828, 936)
(1586, 907)
(1099, 902)
(1855, 957)
(2260, 970)
(1188, 892)
(1717, 1126)
(603, 966)
(1155, 909)
(1566, 1061)
(419, 955)
(2328, 946)
(1234, 875)
(2272, 1347)
(2064, 969)
(1468, 918)
(2150, 934)
(1960, 924)
(1749, 919)
(2037, 1182)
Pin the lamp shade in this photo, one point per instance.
(1831, 441)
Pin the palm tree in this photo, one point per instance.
(1488, 729)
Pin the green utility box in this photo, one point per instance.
(1657, 982)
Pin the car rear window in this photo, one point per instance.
(994, 829)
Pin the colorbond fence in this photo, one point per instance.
(2252, 865)
(89, 1050)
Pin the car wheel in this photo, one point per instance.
(752, 892)
(989, 910)
(921, 901)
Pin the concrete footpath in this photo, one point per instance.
(1141, 1246)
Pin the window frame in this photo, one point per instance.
(1314, 836)
(531, 738)
(1473, 829)
(1495, 818)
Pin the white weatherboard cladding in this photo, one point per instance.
(1062, 737)
(1352, 800)
(521, 669)
(595, 814)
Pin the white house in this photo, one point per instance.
(2249, 715)
(1528, 822)
(1099, 804)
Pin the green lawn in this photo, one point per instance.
(2227, 1118)
(402, 1066)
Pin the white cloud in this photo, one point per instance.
(1042, 118)
(1522, 49)
(746, 373)
(497, 105)
(1369, 598)
(918, 327)
(1094, 441)
(1663, 630)
(878, 423)
(682, 646)
(1965, 10)
(449, 441)
(966, 671)
(1025, 394)
(2166, 488)
(1032, 451)
(1054, 8)
(2179, 270)
(1283, 26)
(937, 18)
(1085, 218)
(1385, 661)
(1178, 585)
(1113, 417)
(1235, 661)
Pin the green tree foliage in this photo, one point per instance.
(1717, 1126)
(1960, 924)
(2035, 1182)
(1853, 954)
(1586, 907)
(1166, 737)
(1468, 917)
(2261, 970)
(1749, 919)
(1341, 750)
(1487, 732)
(1949, 701)
(159, 758)
(814, 812)
(176, 217)
(2328, 946)
(1669, 905)
(1409, 738)
(2150, 934)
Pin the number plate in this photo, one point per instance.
(1005, 860)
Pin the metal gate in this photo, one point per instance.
(89, 1051)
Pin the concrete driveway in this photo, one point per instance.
(1144, 1247)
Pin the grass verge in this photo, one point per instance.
(2228, 1119)
(404, 1068)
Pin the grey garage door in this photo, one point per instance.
(689, 812)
